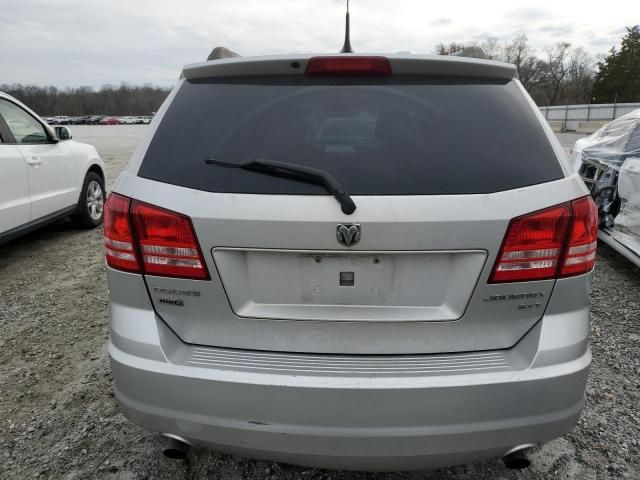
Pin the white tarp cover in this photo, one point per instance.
(617, 146)
(627, 223)
(613, 143)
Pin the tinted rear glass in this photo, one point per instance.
(387, 136)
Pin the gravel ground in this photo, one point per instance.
(58, 417)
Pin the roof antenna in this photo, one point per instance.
(346, 48)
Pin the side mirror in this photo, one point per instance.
(63, 133)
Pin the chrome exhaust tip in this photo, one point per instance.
(177, 448)
(517, 458)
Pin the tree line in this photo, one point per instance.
(565, 74)
(108, 100)
(561, 74)
(618, 77)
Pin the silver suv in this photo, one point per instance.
(354, 262)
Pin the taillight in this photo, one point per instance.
(532, 246)
(348, 65)
(167, 243)
(119, 245)
(146, 239)
(580, 256)
(558, 241)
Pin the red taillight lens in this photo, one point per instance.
(119, 245)
(580, 256)
(167, 243)
(348, 65)
(560, 240)
(533, 245)
(165, 240)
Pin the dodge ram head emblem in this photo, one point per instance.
(348, 234)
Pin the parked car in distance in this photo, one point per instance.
(94, 119)
(351, 261)
(127, 120)
(81, 120)
(45, 174)
(109, 121)
(59, 120)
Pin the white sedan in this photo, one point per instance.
(44, 175)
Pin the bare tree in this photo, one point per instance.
(557, 69)
(564, 75)
(517, 50)
(442, 49)
(492, 49)
(579, 77)
(531, 70)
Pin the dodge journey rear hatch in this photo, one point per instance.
(255, 161)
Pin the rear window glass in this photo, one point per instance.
(387, 136)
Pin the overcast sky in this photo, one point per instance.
(85, 42)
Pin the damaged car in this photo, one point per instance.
(609, 163)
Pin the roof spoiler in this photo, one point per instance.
(471, 52)
(219, 53)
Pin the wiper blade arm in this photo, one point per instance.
(295, 172)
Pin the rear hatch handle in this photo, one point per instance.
(295, 172)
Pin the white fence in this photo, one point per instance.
(571, 115)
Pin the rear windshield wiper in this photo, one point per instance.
(299, 173)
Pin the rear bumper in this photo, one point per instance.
(362, 412)
(353, 423)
